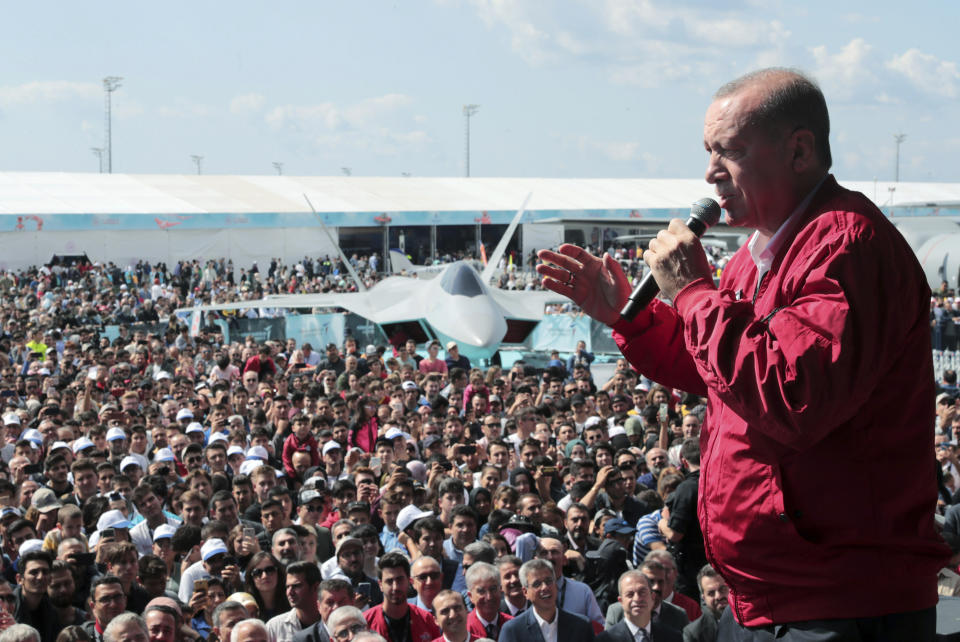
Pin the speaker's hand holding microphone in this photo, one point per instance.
(675, 257)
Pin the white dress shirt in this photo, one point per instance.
(635, 630)
(548, 629)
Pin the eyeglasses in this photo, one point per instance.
(432, 576)
(260, 572)
(350, 631)
(113, 597)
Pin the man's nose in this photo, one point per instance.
(714, 168)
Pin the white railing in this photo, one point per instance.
(945, 360)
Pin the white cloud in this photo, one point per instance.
(618, 151)
(844, 72)
(124, 109)
(371, 108)
(183, 108)
(382, 125)
(247, 104)
(927, 72)
(332, 117)
(325, 114)
(39, 92)
(648, 43)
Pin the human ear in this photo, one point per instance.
(802, 144)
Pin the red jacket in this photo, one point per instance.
(475, 628)
(291, 445)
(817, 486)
(423, 628)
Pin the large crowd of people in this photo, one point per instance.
(169, 486)
(175, 485)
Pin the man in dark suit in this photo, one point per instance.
(663, 612)
(543, 621)
(636, 597)
(514, 602)
(713, 592)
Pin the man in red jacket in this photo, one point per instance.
(395, 619)
(483, 585)
(815, 355)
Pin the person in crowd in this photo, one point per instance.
(544, 619)
(713, 594)
(303, 587)
(396, 619)
(636, 600)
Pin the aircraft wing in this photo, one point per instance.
(390, 300)
(526, 304)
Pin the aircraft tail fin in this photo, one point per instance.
(343, 257)
(399, 262)
(494, 258)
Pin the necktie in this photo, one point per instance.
(491, 630)
(642, 636)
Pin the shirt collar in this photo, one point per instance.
(763, 248)
(482, 621)
(541, 622)
(634, 628)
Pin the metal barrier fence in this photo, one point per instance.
(945, 360)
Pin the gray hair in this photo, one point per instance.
(535, 564)
(631, 574)
(283, 531)
(119, 622)
(508, 560)
(229, 605)
(480, 571)
(664, 557)
(235, 633)
(343, 613)
(481, 552)
(20, 633)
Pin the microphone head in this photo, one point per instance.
(707, 211)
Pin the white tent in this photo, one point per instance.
(123, 218)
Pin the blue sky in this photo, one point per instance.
(598, 88)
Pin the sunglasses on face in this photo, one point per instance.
(432, 576)
(260, 572)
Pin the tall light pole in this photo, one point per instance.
(899, 139)
(98, 152)
(279, 167)
(199, 161)
(468, 111)
(110, 85)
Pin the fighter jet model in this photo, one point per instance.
(936, 242)
(457, 305)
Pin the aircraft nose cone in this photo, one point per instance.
(474, 321)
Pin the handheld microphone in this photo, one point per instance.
(703, 214)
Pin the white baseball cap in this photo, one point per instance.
(409, 514)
